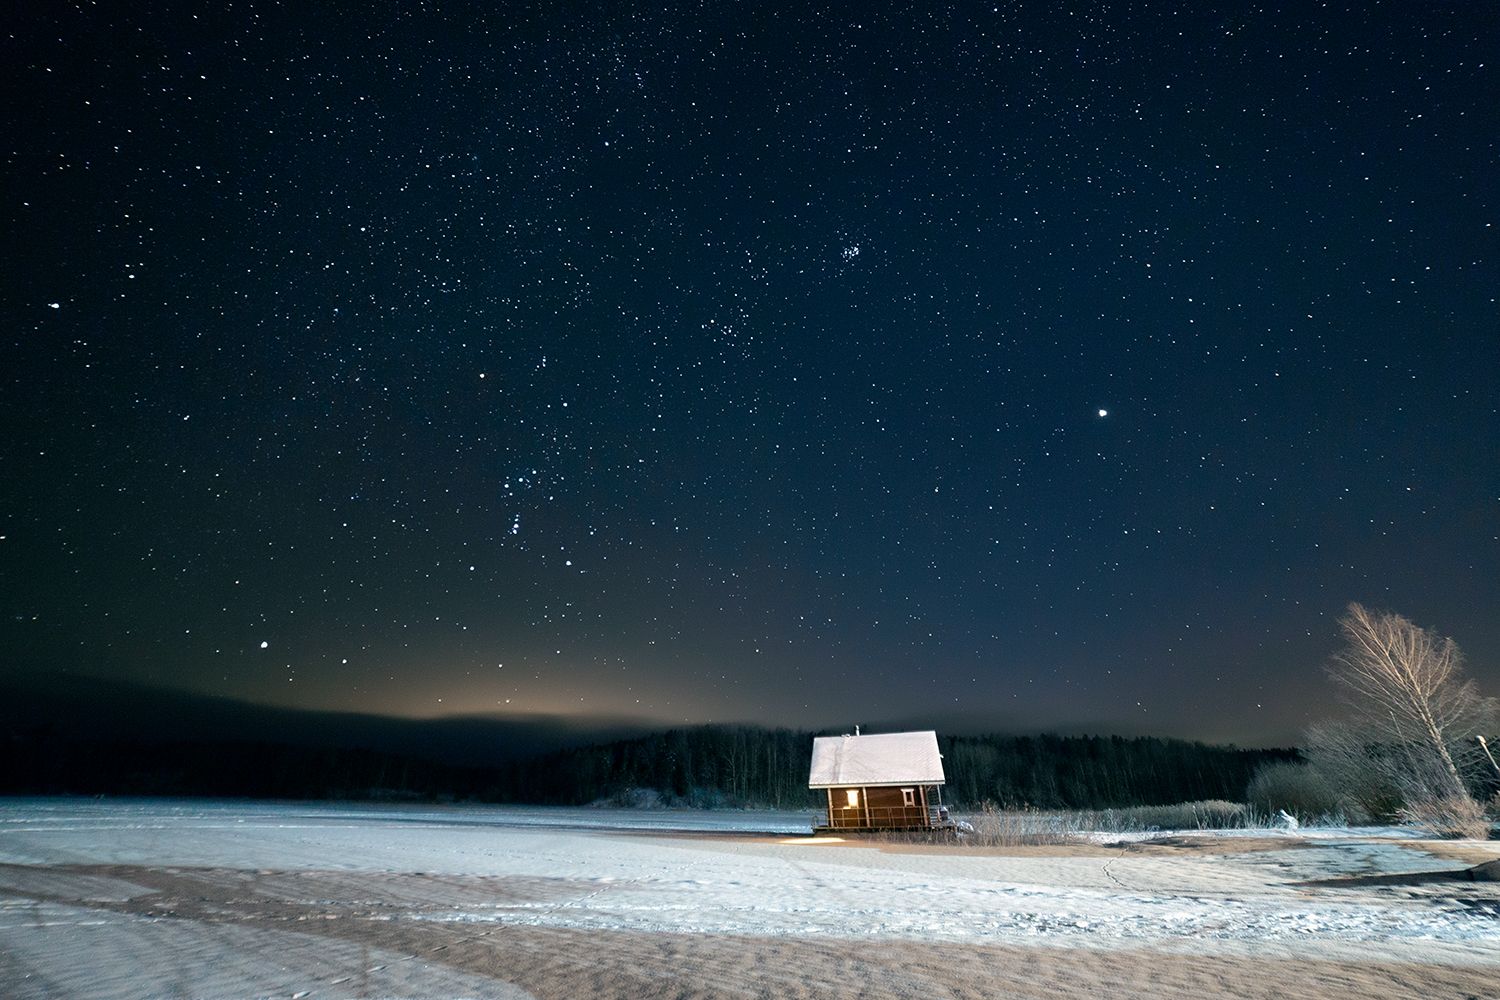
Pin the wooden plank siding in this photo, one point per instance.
(878, 809)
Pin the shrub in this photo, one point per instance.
(634, 798)
(1353, 762)
(1297, 788)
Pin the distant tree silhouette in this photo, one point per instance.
(705, 766)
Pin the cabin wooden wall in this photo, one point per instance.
(886, 809)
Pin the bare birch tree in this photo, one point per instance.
(1406, 686)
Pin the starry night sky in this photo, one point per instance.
(1040, 365)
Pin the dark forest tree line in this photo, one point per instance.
(733, 765)
(706, 766)
(41, 764)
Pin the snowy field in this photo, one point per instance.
(175, 898)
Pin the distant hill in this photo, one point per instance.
(82, 736)
(72, 706)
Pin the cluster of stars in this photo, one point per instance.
(716, 366)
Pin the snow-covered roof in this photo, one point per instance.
(881, 759)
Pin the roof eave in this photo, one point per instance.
(926, 782)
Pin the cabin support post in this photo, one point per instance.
(830, 807)
(926, 816)
(864, 793)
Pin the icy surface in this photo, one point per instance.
(78, 814)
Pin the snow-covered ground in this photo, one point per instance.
(67, 879)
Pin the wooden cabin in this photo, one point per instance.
(888, 781)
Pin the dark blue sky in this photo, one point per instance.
(750, 362)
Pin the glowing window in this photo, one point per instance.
(908, 796)
(853, 794)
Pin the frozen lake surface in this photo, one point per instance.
(185, 814)
(210, 888)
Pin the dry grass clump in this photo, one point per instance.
(992, 826)
(1209, 814)
(997, 827)
(1453, 818)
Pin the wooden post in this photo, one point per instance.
(830, 807)
(865, 793)
(926, 816)
(1486, 748)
